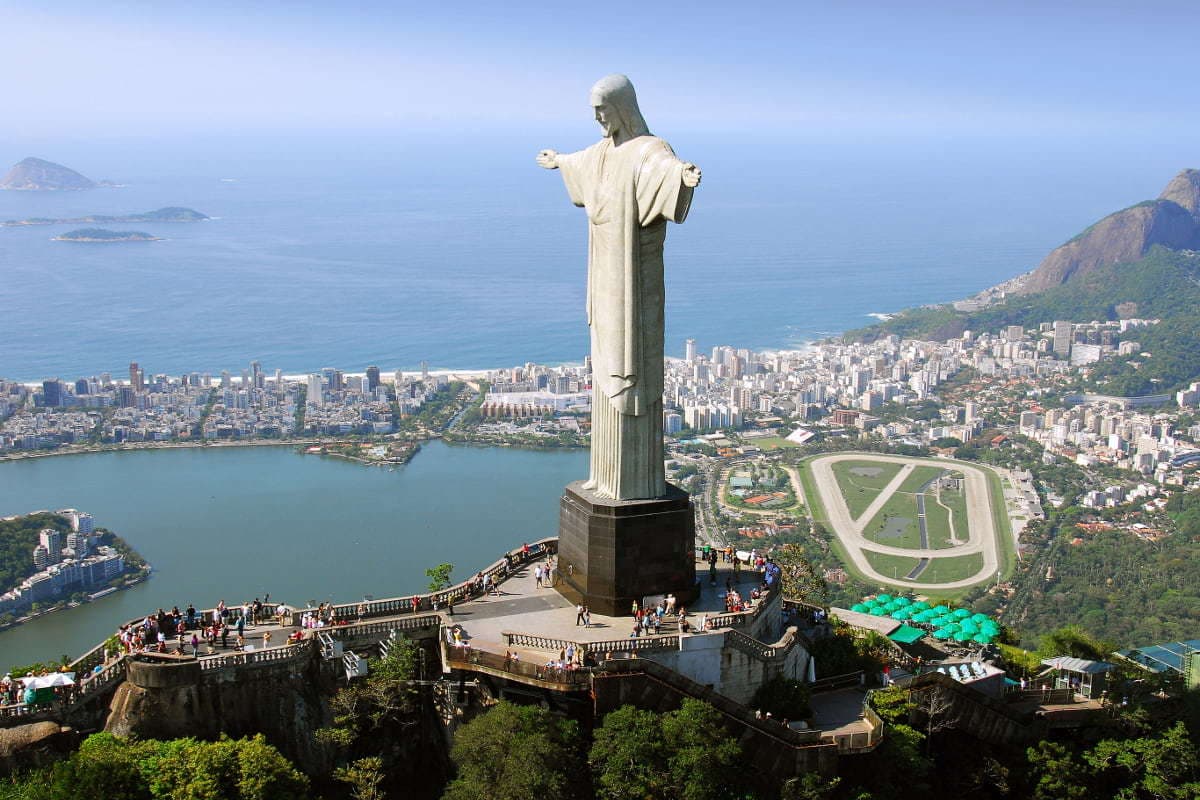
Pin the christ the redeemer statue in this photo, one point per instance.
(630, 183)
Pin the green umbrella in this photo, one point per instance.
(982, 638)
(861, 608)
(953, 627)
(942, 633)
(961, 613)
(969, 627)
(884, 598)
(962, 637)
(902, 614)
(924, 616)
(904, 601)
(920, 605)
(877, 611)
(978, 618)
(942, 619)
(941, 609)
(892, 606)
(990, 625)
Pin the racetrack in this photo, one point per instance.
(982, 537)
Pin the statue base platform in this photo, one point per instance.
(613, 552)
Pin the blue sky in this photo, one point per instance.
(1012, 69)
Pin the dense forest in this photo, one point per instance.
(1164, 285)
(18, 537)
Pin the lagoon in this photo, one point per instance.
(234, 523)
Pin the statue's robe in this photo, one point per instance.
(629, 193)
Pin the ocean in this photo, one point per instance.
(345, 250)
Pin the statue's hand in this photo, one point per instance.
(691, 175)
(547, 159)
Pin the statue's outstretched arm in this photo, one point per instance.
(547, 159)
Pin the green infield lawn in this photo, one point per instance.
(861, 481)
(889, 566)
(953, 568)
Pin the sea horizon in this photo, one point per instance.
(337, 250)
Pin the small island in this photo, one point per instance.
(169, 214)
(37, 174)
(104, 235)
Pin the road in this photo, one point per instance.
(981, 534)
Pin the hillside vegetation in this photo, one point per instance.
(1164, 285)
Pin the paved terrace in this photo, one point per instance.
(547, 618)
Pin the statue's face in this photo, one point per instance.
(607, 119)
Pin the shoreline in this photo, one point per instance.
(28, 618)
(129, 448)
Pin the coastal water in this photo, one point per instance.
(235, 523)
(457, 250)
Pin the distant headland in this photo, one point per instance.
(103, 235)
(37, 174)
(170, 214)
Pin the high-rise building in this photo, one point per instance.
(82, 387)
(256, 375)
(689, 350)
(373, 377)
(136, 377)
(314, 396)
(1062, 338)
(225, 380)
(41, 559)
(53, 541)
(424, 370)
(52, 393)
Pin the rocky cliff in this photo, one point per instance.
(1173, 221)
(38, 174)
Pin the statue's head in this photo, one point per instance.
(616, 108)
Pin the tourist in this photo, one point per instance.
(224, 635)
(587, 617)
(549, 571)
(579, 614)
(634, 612)
(195, 645)
(362, 611)
(266, 639)
(241, 625)
(537, 576)
(570, 652)
(670, 604)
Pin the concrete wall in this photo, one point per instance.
(715, 660)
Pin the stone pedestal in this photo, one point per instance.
(612, 552)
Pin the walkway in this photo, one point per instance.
(523, 607)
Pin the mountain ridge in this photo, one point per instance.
(1172, 221)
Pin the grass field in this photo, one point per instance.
(898, 515)
(860, 491)
(919, 477)
(953, 568)
(890, 566)
(937, 524)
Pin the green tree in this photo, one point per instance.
(1056, 773)
(683, 754)
(514, 753)
(809, 786)
(102, 768)
(627, 754)
(364, 776)
(1165, 766)
(439, 577)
